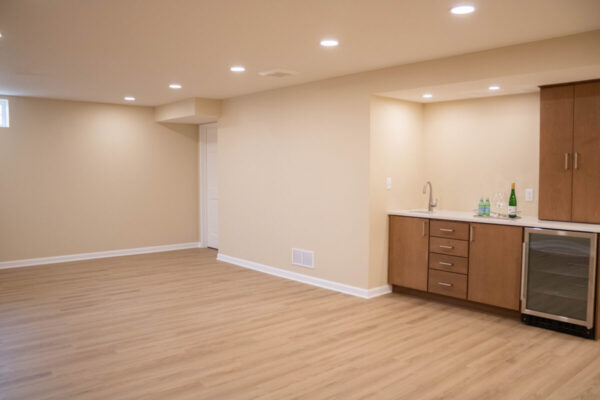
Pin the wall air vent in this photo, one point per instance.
(277, 73)
(303, 258)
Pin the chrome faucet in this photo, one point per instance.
(431, 204)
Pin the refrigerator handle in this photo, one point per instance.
(523, 269)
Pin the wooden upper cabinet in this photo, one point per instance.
(586, 147)
(556, 148)
(408, 252)
(495, 265)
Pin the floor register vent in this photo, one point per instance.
(303, 258)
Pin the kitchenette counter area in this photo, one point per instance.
(544, 270)
(470, 216)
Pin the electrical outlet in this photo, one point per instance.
(528, 194)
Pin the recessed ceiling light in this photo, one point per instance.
(460, 10)
(237, 68)
(427, 96)
(494, 87)
(175, 86)
(129, 98)
(329, 42)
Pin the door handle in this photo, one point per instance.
(523, 268)
(471, 233)
(423, 229)
(566, 161)
(576, 160)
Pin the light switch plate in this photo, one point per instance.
(388, 183)
(528, 194)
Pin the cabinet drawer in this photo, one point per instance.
(451, 247)
(450, 229)
(459, 265)
(448, 284)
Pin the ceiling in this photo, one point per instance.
(103, 50)
(514, 84)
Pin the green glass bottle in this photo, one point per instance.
(512, 203)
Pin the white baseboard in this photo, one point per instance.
(322, 283)
(99, 254)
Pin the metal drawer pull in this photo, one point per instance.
(446, 247)
(444, 284)
(446, 263)
(576, 160)
(446, 230)
(566, 161)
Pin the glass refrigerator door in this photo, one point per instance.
(560, 275)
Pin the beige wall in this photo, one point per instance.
(81, 177)
(396, 151)
(295, 163)
(293, 172)
(476, 148)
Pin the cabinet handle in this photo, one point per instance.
(446, 247)
(446, 263)
(446, 230)
(566, 161)
(444, 284)
(471, 233)
(576, 160)
(423, 229)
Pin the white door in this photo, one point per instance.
(212, 187)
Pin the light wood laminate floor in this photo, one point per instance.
(180, 325)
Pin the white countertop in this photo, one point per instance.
(469, 216)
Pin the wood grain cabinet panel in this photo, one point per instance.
(448, 284)
(443, 262)
(556, 148)
(451, 247)
(450, 229)
(408, 252)
(586, 156)
(495, 265)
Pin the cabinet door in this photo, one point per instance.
(586, 147)
(408, 251)
(495, 265)
(556, 148)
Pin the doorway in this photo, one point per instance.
(209, 188)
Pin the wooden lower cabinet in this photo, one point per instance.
(408, 251)
(483, 268)
(495, 265)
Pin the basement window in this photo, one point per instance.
(4, 113)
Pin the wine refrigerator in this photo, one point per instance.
(558, 280)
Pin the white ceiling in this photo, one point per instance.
(102, 50)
